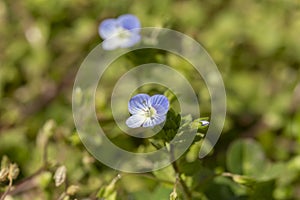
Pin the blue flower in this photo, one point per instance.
(122, 32)
(147, 111)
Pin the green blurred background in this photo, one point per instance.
(255, 44)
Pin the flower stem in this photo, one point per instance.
(183, 185)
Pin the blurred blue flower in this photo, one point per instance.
(147, 111)
(122, 32)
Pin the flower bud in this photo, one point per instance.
(13, 171)
(174, 195)
(72, 190)
(60, 175)
(3, 174)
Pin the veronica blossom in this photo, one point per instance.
(147, 111)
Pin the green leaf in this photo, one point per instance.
(246, 157)
(44, 179)
(109, 191)
(263, 190)
(166, 173)
(159, 193)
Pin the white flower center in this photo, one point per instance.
(151, 112)
(123, 33)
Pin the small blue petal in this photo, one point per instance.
(135, 121)
(108, 28)
(150, 122)
(129, 22)
(138, 104)
(160, 110)
(161, 101)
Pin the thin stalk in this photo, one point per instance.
(183, 185)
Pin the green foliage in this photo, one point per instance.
(256, 47)
(246, 157)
